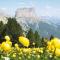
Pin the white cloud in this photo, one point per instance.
(3, 12)
(6, 11)
(50, 11)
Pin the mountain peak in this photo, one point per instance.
(25, 12)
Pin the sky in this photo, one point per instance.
(42, 7)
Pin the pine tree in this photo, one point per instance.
(37, 39)
(2, 27)
(30, 36)
(13, 29)
(51, 37)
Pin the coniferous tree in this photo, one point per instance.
(12, 28)
(30, 36)
(2, 27)
(37, 39)
(51, 37)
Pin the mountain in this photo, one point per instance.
(3, 19)
(45, 25)
(26, 17)
(54, 20)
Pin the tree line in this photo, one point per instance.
(14, 30)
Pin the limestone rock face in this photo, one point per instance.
(25, 12)
(26, 17)
(3, 19)
(3, 16)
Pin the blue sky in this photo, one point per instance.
(42, 7)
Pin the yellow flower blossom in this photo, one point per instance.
(38, 56)
(24, 41)
(54, 46)
(17, 46)
(7, 38)
(56, 42)
(5, 46)
(33, 43)
(14, 55)
(57, 52)
(9, 42)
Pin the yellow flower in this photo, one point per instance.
(5, 46)
(57, 52)
(51, 48)
(33, 43)
(9, 42)
(24, 41)
(53, 44)
(7, 38)
(41, 50)
(20, 58)
(17, 46)
(56, 42)
(29, 57)
(34, 52)
(49, 45)
(26, 50)
(38, 56)
(14, 55)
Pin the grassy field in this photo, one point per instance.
(49, 52)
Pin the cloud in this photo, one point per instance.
(50, 11)
(2, 11)
(6, 11)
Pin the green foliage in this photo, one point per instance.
(34, 37)
(30, 36)
(13, 27)
(1, 27)
(44, 42)
(37, 39)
